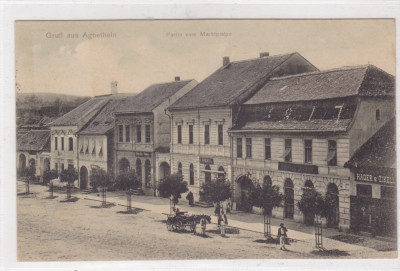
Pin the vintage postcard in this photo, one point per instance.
(144, 140)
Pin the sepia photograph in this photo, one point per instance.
(205, 139)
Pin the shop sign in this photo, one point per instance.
(385, 179)
(299, 168)
(142, 154)
(206, 160)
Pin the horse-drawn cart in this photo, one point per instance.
(179, 222)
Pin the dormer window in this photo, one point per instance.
(378, 114)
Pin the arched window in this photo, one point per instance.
(123, 165)
(308, 185)
(139, 169)
(180, 168)
(221, 173)
(70, 144)
(207, 174)
(191, 168)
(147, 172)
(267, 180)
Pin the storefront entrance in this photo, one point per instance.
(83, 177)
(246, 187)
(332, 221)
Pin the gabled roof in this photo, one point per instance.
(75, 116)
(147, 100)
(227, 83)
(103, 122)
(338, 83)
(378, 151)
(34, 140)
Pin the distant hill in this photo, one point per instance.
(39, 109)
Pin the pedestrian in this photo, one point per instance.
(217, 209)
(189, 197)
(282, 236)
(228, 208)
(222, 224)
(203, 224)
(219, 220)
(224, 218)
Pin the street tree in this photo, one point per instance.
(69, 176)
(217, 190)
(266, 197)
(28, 175)
(312, 203)
(101, 178)
(127, 180)
(172, 185)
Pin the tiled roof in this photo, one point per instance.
(226, 84)
(344, 82)
(378, 151)
(151, 97)
(295, 125)
(73, 117)
(34, 140)
(103, 122)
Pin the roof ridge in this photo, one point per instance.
(169, 82)
(259, 58)
(344, 68)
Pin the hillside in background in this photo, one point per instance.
(38, 109)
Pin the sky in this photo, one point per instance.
(58, 57)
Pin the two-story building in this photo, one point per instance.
(142, 132)
(96, 141)
(64, 138)
(298, 132)
(201, 148)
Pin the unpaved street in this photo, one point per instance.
(52, 230)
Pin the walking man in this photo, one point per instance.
(282, 236)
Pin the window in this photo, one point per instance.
(70, 144)
(56, 167)
(180, 168)
(364, 190)
(62, 167)
(127, 133)
(308, 151)
(288, 150)
(56, 143)
(190, 134)
(179, 134)
(239, 151)
(62, 143)
(191, 168)
(120, 133)
(221, 173)
(332, 156)
(220, 134)
(267, 148)
(147, 133)
(138, 133)
(206, 134)
(248, 148)
(378, 114)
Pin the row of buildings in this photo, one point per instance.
(274, 118)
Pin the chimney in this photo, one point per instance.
(264, 54)
(177, 78)
(225, 61)
(114, 87)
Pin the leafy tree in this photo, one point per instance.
(217, 190)
(101, 178)
(69, 176)
(266, 197)
(313, 203)
(172, 185)
(49, 175)
(28, 175)
(127, 180)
